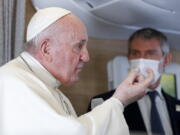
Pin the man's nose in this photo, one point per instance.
(85, 55)
(143, 56)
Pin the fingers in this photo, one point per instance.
(149, 78)
(140, 78)
(132, 75)
(133, 87)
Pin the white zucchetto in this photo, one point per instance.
(42, 19)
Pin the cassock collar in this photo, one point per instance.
(39, 70)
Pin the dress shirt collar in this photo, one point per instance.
(39, 70)
(159, 91)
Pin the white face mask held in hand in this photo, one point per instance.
(143, 64)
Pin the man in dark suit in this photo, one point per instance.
(157, 113)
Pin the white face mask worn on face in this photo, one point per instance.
(144, 64)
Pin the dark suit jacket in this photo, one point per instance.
(134, 119)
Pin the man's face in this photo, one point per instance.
(69, 53)
(147, 49)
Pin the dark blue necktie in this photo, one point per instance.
(156, 125)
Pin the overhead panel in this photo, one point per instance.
(117, 19)
(140, 13)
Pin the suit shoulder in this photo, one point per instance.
(169, 98)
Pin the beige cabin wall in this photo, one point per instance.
(93, 79)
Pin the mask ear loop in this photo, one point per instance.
(168, 58)
(161, 62)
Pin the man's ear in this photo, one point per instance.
(45, 49)
(167, 59)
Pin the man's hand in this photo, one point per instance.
(134, 87)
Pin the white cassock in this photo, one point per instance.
(32, 104)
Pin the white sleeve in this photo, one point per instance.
(106, 119)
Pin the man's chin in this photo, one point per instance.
(75, 80)
(71, 81)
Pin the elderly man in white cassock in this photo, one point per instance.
(56, 50)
